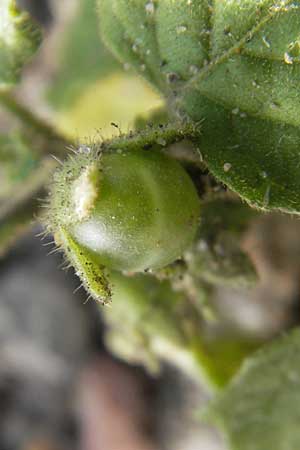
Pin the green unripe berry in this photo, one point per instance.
(144, 213)
(135, 210)
(129, 210)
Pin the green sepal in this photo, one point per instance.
(92, 274)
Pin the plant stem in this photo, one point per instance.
(53, 142)
(19, 213)
(16, 225)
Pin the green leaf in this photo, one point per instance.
(19, 39)
(260, 409)
(236, 67)
(221, 357)
(128, 30)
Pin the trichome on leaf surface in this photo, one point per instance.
(234, 66)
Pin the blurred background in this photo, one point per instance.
(60, 386)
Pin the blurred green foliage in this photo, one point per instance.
(150, 322)
(260, 408)
(82, 58)
(19, 39)
(17, 161)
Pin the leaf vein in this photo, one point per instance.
(237, 48)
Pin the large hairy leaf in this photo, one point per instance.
(19, 39)
(235, 66)
(260, 409)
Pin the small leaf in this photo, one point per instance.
(260, 409)
(19, 39)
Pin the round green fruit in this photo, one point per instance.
(130, 210)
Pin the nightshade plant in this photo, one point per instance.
(164, 198)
